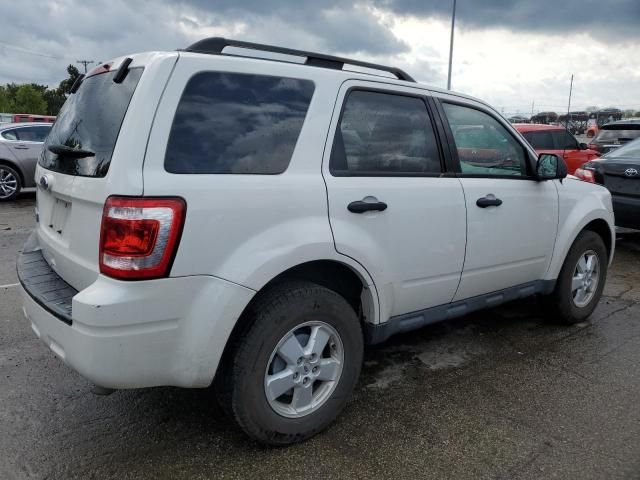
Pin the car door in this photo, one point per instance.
(27, 149)
(392, 207)
(511, 217)
(567, 147)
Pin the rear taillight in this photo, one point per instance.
(585, 175)
(139, 236)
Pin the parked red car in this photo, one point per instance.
(556, 139)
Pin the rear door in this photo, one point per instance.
(111, 122)
(511, 218)
(392, 206)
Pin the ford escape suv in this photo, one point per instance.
(208, 216)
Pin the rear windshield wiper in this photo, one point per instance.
(70, 151)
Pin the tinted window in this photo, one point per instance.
(90, 119)
(564, 140)
(629, 150)
(33, 134)
(617, 135)
(490, 151)
(540, 140)
(9, 135)
(237, 123)
(384, 133)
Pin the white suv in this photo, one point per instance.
(208, 215)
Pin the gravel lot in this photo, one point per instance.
(498, 394)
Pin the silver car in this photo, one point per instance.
(20, 147)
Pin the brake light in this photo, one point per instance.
(585, 175)
(139, 236)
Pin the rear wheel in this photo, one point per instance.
(294, 368)
(10, 184)
(581, 280)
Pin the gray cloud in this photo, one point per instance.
(609, 19)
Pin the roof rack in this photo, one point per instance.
(215, 45)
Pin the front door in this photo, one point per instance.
(391, 207)
(511, 217)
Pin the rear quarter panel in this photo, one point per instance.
(247, 229)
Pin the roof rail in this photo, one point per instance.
(215, 45)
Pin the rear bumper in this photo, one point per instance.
(141, 334)
(626, 211)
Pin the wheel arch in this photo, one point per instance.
(342, 278)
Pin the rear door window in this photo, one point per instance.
(384, 134)
(90, 119)
(33, 134)
(237, 123)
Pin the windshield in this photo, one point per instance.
(90, 120)
(631, 149)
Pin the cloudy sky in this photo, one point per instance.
(511, 53)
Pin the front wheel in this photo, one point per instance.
(292, 372)
(581, 280)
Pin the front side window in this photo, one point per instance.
(564, 140)
(540, 140)
(484, 146)
(382, 133)
(237, 123)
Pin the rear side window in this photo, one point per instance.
(618, 134)
(10, 135)
(237, 123)
(384, 134)
(90, 120)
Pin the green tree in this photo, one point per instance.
(6, 101)
(29, 99)
(66, 84)
(628, 113)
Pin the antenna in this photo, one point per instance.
(453, 24)
(569, 105)
(85, 63)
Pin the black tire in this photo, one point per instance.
(240, 382)
(560, 303)
(6, 169)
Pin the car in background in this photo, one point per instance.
(30, 118)
(20, 147)
(619, 171)
(612, 135)
(556, 140)
(6, 118)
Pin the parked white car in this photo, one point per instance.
(205, 217)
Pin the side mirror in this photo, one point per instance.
(550, 166)
(583, 146)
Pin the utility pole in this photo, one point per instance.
(532, 104)
(569, 105)
(85, 63)
(453, 25)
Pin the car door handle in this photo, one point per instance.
(360, 206)
(21, 147)
(489, 201)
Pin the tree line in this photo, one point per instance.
(35, 98)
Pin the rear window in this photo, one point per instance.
(90, 119)
(237, 123)
(618, 134)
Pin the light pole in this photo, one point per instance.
(453, 25)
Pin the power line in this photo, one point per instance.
(28, 52)
(85, 63)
